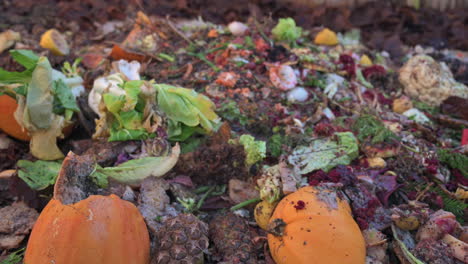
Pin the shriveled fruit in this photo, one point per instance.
(8, 123)
(402, 104)
(263, 212)
(232, 239)
(314, 225)
(55, 42)
(181, 239)
(407, 223)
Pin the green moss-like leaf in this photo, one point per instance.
(454, 160)
(286, 30)
(369, 127)
(255, 150)
(39, 174)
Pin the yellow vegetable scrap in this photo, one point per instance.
(365, 60)
(326, 37)
(55, 42)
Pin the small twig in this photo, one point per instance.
(264, 36)
(177, 31)
(245, 203)
(166, 57)
(259, 238)
(410, 148)
(202, 57)
(421, 194)
(451, 195)
(381, 242)
(345, 108)
(450, 121)
(188, 71)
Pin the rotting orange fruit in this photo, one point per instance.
(8, 122)
(79, 227)
(314, 225)
(97, 230)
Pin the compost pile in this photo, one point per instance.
(141, 138)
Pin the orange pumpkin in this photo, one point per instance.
(313, 225)
(97, 230)
(7, 120)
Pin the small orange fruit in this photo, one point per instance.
(314, 225)
(8, 122)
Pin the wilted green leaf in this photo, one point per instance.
(114, 102)
(24, 57)
(15, 77)
(64, 96)
(99, 178)
(131, 119)
(134, 171)
(39, 174)
(27, 58)
(325, 154)
(186, 106)
(132, 90)
(21, 90)
(179, 132)
(176, 107)
(122, 134)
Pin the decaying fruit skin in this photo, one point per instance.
(97, 230)
(8, 122)
(263, 211)
(316, 227)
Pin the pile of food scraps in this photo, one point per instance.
(166, 140)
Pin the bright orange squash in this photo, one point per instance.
(96, 230)
(315, 226)
(7, 120)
